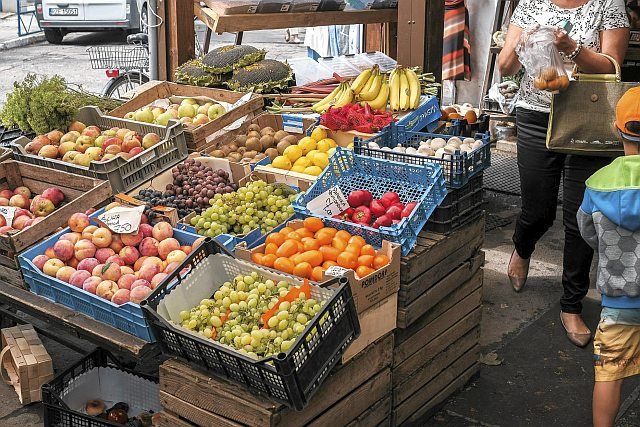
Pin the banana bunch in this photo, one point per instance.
(341, 96)
(371, 87)
(404, 87)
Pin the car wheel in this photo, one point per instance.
(53, 36)
(144, 19)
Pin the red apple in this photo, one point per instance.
(55, 195)
(19, 201)
(130, 144)
(41, 206)
(23, 191)
(135, 151)
(77, 127)
(20, 222)
(4, 201)
(7, 194)
(6, 229)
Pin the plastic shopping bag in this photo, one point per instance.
(541, 59)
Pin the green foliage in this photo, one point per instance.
(40, 104)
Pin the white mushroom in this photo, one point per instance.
(386, 149)
(374, 145)
(468, 141)
(426, 143)
(438, 143)
(411, 150)
(477, 144)
(454, 141)
(464, 148)
(426, 151)
(399, 148)
(451, 149)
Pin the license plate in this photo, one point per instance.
(63, 11)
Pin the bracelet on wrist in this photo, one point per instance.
(575, 52)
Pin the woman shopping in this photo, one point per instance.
(595, 26)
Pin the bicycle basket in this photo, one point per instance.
(118, 57)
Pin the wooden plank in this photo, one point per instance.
(421, 415)
(434, 366)
(438, 248)
(459, 367)
(167, 419)
(425, 302)
(375, 415)
(181, 35)
(443, 322)
(162, 39)
(193, 413)
(12, 276)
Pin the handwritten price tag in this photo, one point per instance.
(329, 203)
(122, 220)
(335, 271)
(8, 212)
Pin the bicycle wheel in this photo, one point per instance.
(122, 86)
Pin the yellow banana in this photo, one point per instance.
(322, 105)
(373, 91)
(404, 91)
(372, 79)
(414, 88)
(360, 81)
(345, 98)
(394, 91)
(380, 102)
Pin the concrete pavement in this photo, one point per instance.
(9, 34)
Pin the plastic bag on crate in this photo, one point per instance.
(506, 94)
(541, 59)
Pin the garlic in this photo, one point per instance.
(438, 143)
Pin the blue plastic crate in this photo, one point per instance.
(413, 183)
(127, 317)
(457, 168)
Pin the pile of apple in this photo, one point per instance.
(28, 211)
(84, 144)
(120, 268)
(189, 111)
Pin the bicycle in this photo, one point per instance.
(127, 66)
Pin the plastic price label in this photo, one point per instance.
(122, 220)
(330, 203)
(8, 212)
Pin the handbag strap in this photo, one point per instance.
(617, 77)
(5, 378)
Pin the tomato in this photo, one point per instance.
(380, 261)
(347, 260)
(344, 235)
(293, 235)
(303, 232)
(317, 274)
(257, 257)
(310, 243)
(270, 248)
(313, 257)
(368, 250)
(276, 238)
(303, 269)
(324, 238)
(357, 240)
(328, 264)
(268, 260)
(366, 260)
(353, 248)
(363, 271)
(331, 231)
(283, 264)
(313, 224)
(288, 248)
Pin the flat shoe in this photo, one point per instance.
(578, 339)
(517, 283)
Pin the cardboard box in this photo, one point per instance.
(375, 322)
(367, 291)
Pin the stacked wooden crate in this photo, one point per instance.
(436, 343)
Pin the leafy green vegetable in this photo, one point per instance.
(41, 104)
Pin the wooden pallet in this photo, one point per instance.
(349, 392)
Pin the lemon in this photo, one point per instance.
(303, 161)
(321, 160)
(331, 151)
(312, 153)
(281, 162)
(331, 142)
(307, 144)
(319, 133)
(313, 170)
(298, 168)
(323, 145)
(350, 146)
(293, 152)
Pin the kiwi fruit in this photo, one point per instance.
(246, 160)
(242, 150)
(278, 136)
(267, 141)
(253, 144)
(241, 140)
(272, 153)
(226, 149)
(282, 145)
(291, 139)
(250, 154)
(236, 156)
(254, 134)
(267, 131)
(254, 127)
(233, 147)
(218, 153)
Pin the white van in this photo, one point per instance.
(60, 17)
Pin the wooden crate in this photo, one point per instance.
(81, 193)
(26, 362)
(198, 137)
(355, 390)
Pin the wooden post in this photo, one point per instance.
(180, 34)
(433, 37)
(162, 39)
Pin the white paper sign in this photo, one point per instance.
(8, 212)
(122, 220)
(335, 271)
(330, 203)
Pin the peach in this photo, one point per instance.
(186, 249)
(84, 249)
(63, 249)
(157, 279)
(149, 246)
(73, 262)
(91, 284)
(97, 270)
(198, 242)
(19, 201)
(126, 269)
(79, 277)
(77, 127)
(132, 239)
(102, 237)
(126, 280)
(39, 261)
(106, 289)
(146, 230)
(65, 273)
(87, 264)
(155, 260)
(162, 231)
(72, 237)
(121, 296)
(23, 191)
(103, 254)
(49, 252)
(139, 293)
(87, 233)
(116, 243)
(176, 256)
(111, 271)
(166, 246)
(148, 270)
(78, 222)
(139, 263)
(7, 194)
(129, 255)
(171, 267)
(4, 201)
(115, 259)
(140, 282)
(20, 222)
(51, 267)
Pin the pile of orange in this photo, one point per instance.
(310, 250)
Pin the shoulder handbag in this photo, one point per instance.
(582, 116)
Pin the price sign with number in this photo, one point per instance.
(330, 203)
(8, 212)
(122, 220)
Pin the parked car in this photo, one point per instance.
(60, 17)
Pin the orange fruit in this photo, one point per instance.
(328, 264)
(313, 224)
(317, 274)
(363, 271)
(303, 232)
(276, 238)
(353, 248)
(268, 260)
(257, 257)
(329, 253)
(283, 264)
(342, 234)
(331, 231)
(310, 243)
(303, 269)
(313, 257)
(368, 250)
(357, 240)
(339, 244)
(380, 261)
(286, 230)
(324, 238)
(347, 260)
(288, 248)
(366, 260)
(270, 248)
(293, 235)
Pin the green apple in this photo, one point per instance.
(157, 111)
(145, 115)
(163, 119)
(101, 139)
(95, 153)
(186, 110)
(189, 101)
(82, 159)
(215, 111)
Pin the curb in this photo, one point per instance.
(22, 41)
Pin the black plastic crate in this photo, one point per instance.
(62, 395)
(459, 208)
(291, 377)
(7, 135)
(463, 128)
